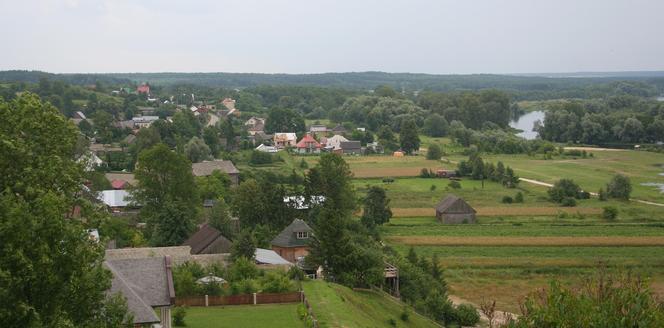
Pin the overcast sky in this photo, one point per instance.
(312, 36)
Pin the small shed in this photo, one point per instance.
(454, 210)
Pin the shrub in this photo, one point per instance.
(583, 195)
(296, 273)
(405, 315)
(568, 202)
(302, 311)
(609, 213)
(392, 322)
(178, 316)
(562, 189)
(602, 195)
(434, 152)
(467, 315)
(454, 184)
(619, 187)
(259, 157)
(303, 164)
(425, 173)
(507, 200)
(518, 198)
(275, 282)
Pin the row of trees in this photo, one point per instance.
(476, 169)
(622, 120)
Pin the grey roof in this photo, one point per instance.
(454, 204)
(350, 145)
(206, 168)
(288, 237)
(268, 256)
(200, 240)
(145, 283)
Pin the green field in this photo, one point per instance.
(592, 173)
(244, 316)
(338, 306)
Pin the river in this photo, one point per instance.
(525, 122)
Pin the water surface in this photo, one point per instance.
(526, 122)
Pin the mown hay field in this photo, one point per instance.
(590, 241)
(503, 211)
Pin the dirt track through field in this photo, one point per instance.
(528, 241)
(501, 211)
(541, 183)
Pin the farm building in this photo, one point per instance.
(291, 243)
(205, 168)
(208, 240)
(454, 210)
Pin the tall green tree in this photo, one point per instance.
(376, 207)
(331, 178)
(166, 187)
(619, 187)
(51, 273)
(244, 246)
(284, 120)
(408, 137)
(196, 150)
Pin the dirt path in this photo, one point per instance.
(500, 318)
(540, 183)
(593, 148)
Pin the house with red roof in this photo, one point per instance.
(308, 145)
(119, 184)
(143, 88)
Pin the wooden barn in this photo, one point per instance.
(454, 210)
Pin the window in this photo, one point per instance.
(302, 234)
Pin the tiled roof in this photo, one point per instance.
(308, 142)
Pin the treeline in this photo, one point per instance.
(621, 119)
(520, 87)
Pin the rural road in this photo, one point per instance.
(540, 183)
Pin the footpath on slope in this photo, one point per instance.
(500, 318)
(541, 183)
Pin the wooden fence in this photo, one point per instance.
(255, 298)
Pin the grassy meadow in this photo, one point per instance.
(519, 247)
(244, 316)
(338, 306)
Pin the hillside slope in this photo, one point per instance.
(338, 306)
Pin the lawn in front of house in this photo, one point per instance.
(244, 316)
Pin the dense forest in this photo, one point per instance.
(520, 87)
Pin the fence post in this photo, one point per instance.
(254, 298)
(207, 302)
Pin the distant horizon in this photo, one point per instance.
(591, 73)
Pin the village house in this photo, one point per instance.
(206, 168)
(119, 184)
(143, 88)
(115, 200)
(208, 240)
(253, 121)
(318, 130)
(334, 142)
(143, 121)
(147, 286)
(229, 103)
(285, 139)
(308, 145)
(454, 210)
(339, 129)
(267, 149)
(291, 243)
(349, 148)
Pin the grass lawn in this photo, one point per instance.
(338, 306)
(244, 316)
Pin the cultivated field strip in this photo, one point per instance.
(590, 241)
(502, 211)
